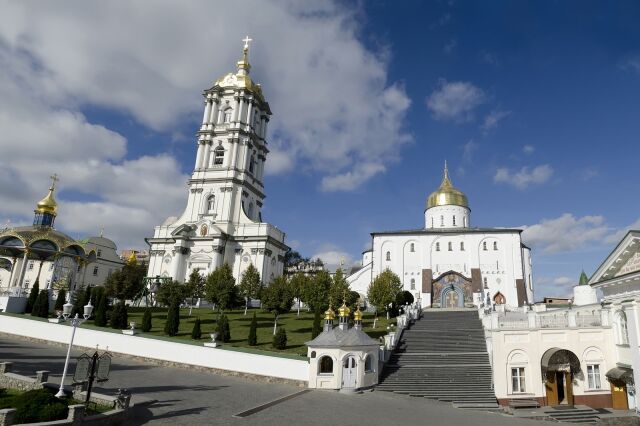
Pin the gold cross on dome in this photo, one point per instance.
(54, 178)
(247, 40)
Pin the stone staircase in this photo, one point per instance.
(444, 357)
(573, 414)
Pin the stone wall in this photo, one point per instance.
(76, 416)
(9, 380)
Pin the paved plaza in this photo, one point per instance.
(191, 397)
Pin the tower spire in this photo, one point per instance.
(243, 64)
(445, 176)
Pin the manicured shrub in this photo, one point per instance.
(60, 301)
(223, 329)
(172, 325)
(119, 316)
(100, 316)
(403, 298)
(146, 321)
(280, 339)
(33, 295)
(317, 325)
(38, 406)
(41, 306)
(253, 331)
(196, 333)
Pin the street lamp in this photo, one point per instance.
(75, 322)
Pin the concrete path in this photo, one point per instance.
(188, 397)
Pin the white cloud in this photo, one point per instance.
(553, 287)
(563, 281)
(631, 63)
(528, 149)
(489, 58)
(450, 46)
(468, 149)
(524, 177)
(565, 233)
(615, 237)
(152, 59)
(493, 118)
(455, 101)
(352, 179)
(333, 256)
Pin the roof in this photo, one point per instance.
(447, 194)
(600, 273)
(436, 231)
(337, 337)
(102, 242)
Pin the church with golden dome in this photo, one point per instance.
(449, 263)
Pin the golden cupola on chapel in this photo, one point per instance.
(447, 207)
(47, 209)
(447, 194)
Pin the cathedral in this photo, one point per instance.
(449, 263)
(222, 221)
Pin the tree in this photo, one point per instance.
(317, 325)
(292, 258)
(100, 318)
(220, 287)
(60, 300)
(299, 283)
(280, 339)
(170, 291)
(316, 293)
(146, 320)
(403, 298)
(41, 305)
(383, 290)
(223, 329)
(194, 287)
(172, 325)
(81, 298)
(126, 283)
(119, 316)
(277, 298)
(253, 331)
(196, 333)
(250, 285)
(339, 289)
(33, 295)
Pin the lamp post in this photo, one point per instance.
(75, 322)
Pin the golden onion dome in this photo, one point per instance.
(132, 260)
(48, 204)
(329, 314)
(240, 79)
(447, 194)
(344, 310)
(357, 315)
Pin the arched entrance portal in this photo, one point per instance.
(559, 367)
(452, 290)
(452, 297)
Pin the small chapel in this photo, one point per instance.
(448, 263)
(222, 221)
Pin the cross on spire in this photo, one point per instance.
(54, 178)
(247, 40)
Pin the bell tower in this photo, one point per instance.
(227, 182)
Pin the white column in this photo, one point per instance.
(205, 157)
(199, 156)
(236, 107)
(240, 110)
(263, 129)
(250, 113)
(176, 264)
(232, 156)
(207, 112)
(23, 267)
(214, 113)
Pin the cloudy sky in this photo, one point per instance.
(535, 107)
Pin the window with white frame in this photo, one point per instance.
(593, 376)
(99, 253)
(450, 246)
(517, 380)
(454, 220)
(412, 247)
(437, 246)
(441, 220)
(413, 284)
(622, 334)
(484, 245)
(30, 265)
(388, 257)
(218, 156)
(325, 365)
(495, 245)
(227, 115)
(211, 204)
(368, 364)
(95, 271)
(461, 245)
(252, 162)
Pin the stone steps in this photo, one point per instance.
(574, 415)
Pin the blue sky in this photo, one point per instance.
(533, 104)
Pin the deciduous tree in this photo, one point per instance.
(383, 290)
(250, 285)
(220, 287)
(316, 293)
(277, 298)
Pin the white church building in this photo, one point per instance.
(448, 263)
(222, 221)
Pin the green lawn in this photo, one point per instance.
(298, 328)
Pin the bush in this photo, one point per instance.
(280, 339)
(224, 332)
(317, 325)
(100, 317)
(33, 295)
(403, 298)
(41, 305)
(146, 321)
(38, 406)
(62, 295)
(119, 316)
(253, 331)
(196, 333)
(172, 325)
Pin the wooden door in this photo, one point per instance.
(452, 300)
(349, 373)
(619, 396)
(551, 386)
(568, 382)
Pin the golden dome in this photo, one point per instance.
(240, 79)
(329, 314)
(344, 311)
(357, 315)
(48, 204)
(447, 194)
(132, 260)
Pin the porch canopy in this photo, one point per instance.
(557, 359)
(620, 374)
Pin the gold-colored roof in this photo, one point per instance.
(357, 315)
(48, 204)
(447, 194)
(132, 260)
(344, 310)
(329, 314)
(240, 79)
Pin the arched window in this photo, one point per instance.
(450, 246)
(211, 204)
(413, 284)
(484, 245)
(218, 156)
(437, 246)
(484, 281)
(441, 220)
(461, 245)
(326, 365)
(388, 256)
(250, 212)
(621, 328)
(368, 364)
(412, 248)
(464, 221)
(227, 115)
(454, 220)
(495, 245)
(252, 163)
(432, 222)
